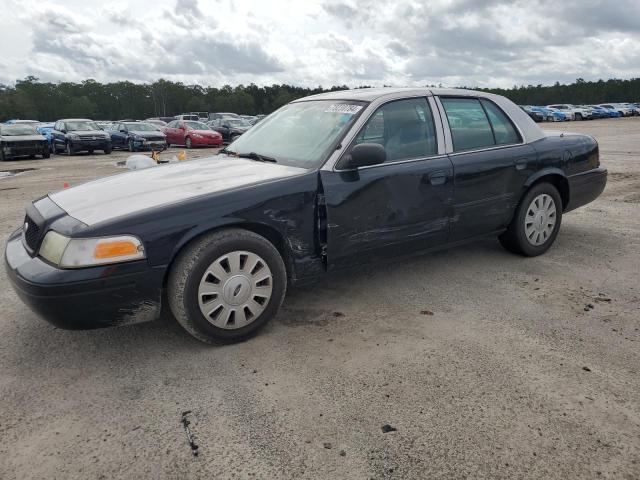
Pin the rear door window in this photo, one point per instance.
(470, 127)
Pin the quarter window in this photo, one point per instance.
(470, 128)
(503, 130)
(404, 128)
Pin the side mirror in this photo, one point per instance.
(363, 155)
(64, 130)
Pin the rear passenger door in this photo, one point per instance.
(490, 164)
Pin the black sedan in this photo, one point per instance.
(75, 135)
(21, 140)
(136, 136)
(326, 182)
(230, 128)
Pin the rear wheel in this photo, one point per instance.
(536, 222)
(46, 154)
(188, 143)
(227, 285)
(107, 150)
(578, 116)
(69, 149)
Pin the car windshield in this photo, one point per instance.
(300, 134)
(82, 126)
(141, 127)
(18, 129)
(197, 126)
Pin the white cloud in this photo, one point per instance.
(353, 42)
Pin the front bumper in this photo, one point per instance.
(585, 187)
(27, 148)
(84, 298)
(151, 145)
(86, 145)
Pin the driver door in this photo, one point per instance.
(397, 207)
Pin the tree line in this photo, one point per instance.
(30, 98)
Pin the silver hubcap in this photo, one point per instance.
(540, 219)
(235, 290)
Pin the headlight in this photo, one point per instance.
(73, 136)
(86, 252)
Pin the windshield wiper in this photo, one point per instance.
(257, 156)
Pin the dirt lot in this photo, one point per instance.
(509, 377)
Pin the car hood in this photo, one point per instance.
(140, 190)
(205, 132)
(147, 134)
(21, 138)
(82, 133)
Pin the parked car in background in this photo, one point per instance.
(635, 110)
(162, 119)
(18, 121)
(536, 116)
(73, 135)
(45, 130)
(135, 136)
(191, 134)
(104, 124)
(551, 114)
(188, 116)
(607, 112)
(596, 113)
(157, 122)
(222, 238)
(622, 110)
(230, 128)
(219, 115)
(21, 140)
(573, 112)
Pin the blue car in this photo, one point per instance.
(605, 112)
(551, 114)
(45, 129)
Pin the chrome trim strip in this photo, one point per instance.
(386, 164)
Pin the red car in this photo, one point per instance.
(191, 134)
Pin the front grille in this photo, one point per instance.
(91, 137)
(31, 233)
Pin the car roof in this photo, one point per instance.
(75, 120)
(371, 94)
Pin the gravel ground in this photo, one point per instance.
(486, 363)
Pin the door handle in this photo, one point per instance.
(438, 178)
(521, 163)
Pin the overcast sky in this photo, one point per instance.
(328, 42)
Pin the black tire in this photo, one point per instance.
(90, 152)
(515, 239)
(130, 146)
(69, 149)
(2, 156)
(107, 150)
(190, 266)
(578, 117)
(46, 154)
(188, 143)
(31, 157)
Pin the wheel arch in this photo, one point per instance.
(267, 231)
(554, 176)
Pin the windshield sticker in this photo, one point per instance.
(343, 108)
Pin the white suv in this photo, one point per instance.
(573, 112)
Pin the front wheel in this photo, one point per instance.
(226, 285)
(69, 149)
(536, 222)
(188, 143)
(578, 117)
(46, 154)
(107, 150)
